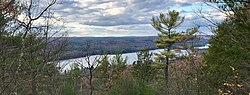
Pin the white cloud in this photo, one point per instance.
(115, 11)
(119, 17)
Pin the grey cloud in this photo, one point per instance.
(133, 11)
(136, 12)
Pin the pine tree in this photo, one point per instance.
(166, 25)
(229, 51)
(143, 68)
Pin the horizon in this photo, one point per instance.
(120, 36)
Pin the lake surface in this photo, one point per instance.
(131, 57)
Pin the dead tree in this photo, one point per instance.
(88, 66)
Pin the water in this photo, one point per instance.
(131, 57)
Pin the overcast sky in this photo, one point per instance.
(126, 17)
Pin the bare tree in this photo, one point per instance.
(88, 66)
(34, 47)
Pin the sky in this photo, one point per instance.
(104, 18)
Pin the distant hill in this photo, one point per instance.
(111, 45)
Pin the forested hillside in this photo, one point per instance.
(77, 46)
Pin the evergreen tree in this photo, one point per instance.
(227, 61)
(143, 68)
(103, 73)
(71, 85)
(166, 25)
(118, 65)
(130, 86)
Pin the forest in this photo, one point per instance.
(112, 45)
(31, 43)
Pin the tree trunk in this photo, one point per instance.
(33, 83)
(90, 81)
(166, 69)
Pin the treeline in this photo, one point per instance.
(109, 45)
(112, 45)
(29, 57)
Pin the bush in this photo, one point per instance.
(130, 86)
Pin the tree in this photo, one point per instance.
(104, 74)
(71, 84)
(130, 86)
(227, 61)
(143, 68)
(29, 48)
(88, 65)
(8, 12)
(166, 25)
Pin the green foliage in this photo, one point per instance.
(33, 69)
(143, 68)
(118, 64)
(230, 5)
(26, 63)
(168, 36)
(104, 74)
(102, 69)
(165, 24)
(71, 85)
(118, 61)
(109, 70)
(229, 49)
(130, 86)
